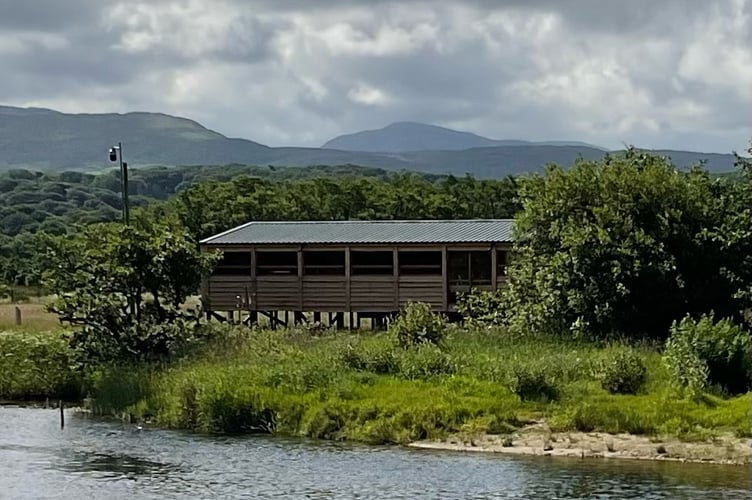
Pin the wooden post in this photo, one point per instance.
(444, 278)
(317, 317)
(301, 265)
(18, 316)
(395, 277)
(348, 307)
(494, 267)
(62, 415)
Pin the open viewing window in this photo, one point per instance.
(502, 263)
(364, 262)
(324, 262)
(236, 263)
(469, 268)
(420, 263)
(276, 263)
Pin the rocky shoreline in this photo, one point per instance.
(538, 440)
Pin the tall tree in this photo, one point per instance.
(123, 288)
(626, 245)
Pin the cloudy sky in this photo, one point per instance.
(655, 73)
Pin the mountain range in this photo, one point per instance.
(404, 137)
(45, 139)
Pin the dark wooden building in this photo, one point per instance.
(361, 268)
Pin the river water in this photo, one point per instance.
(92, 459)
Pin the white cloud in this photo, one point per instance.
(364, 94)
(675, 74)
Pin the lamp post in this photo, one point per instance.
(116, 154)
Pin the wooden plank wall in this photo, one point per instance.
(428, 289)
(385, 293)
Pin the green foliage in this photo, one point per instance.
(705, 352)
(371, 355)
(417, 324)
(624, 372)
(425, 361)
(382, 356)
(123, 288)
(210, 199)
(533, 383)
(287, 382)
(482, 307)
(627, 245)
(37, 366)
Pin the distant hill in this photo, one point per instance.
(48, 140)
(403, 137)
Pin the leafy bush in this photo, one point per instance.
(627, 245)
(702, 352)
(425, 361)
(37, 366)
(417, 325)
(371, 356)
(533, 383)
(481, 307)
(624, 373)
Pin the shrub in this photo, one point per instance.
(703, 352)
(481, 307)
(371, 356)
(687, 370)
(37, 366)
(532, 383)
(623, 373)
(416, 325)
(425, 361)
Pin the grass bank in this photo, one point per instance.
(361, 387)
(481, 390)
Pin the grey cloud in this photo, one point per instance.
(601, 63)
(48, 15)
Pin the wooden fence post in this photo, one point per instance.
(18, 316)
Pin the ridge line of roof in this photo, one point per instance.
(225, 233)
(380, 221)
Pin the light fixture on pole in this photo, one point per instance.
(116, 154)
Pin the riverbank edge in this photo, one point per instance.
(537, 440)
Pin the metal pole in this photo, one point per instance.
(124, 183)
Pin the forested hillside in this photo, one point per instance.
(44, 139)
(211, 199)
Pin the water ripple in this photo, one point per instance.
(97, 459)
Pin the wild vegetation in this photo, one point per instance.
(365, 386)
(627, 246)
(601, 250)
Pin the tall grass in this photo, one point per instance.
(365, 387)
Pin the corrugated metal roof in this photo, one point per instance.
(367, 232)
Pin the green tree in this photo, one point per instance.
(123, 288)
(626, 245)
